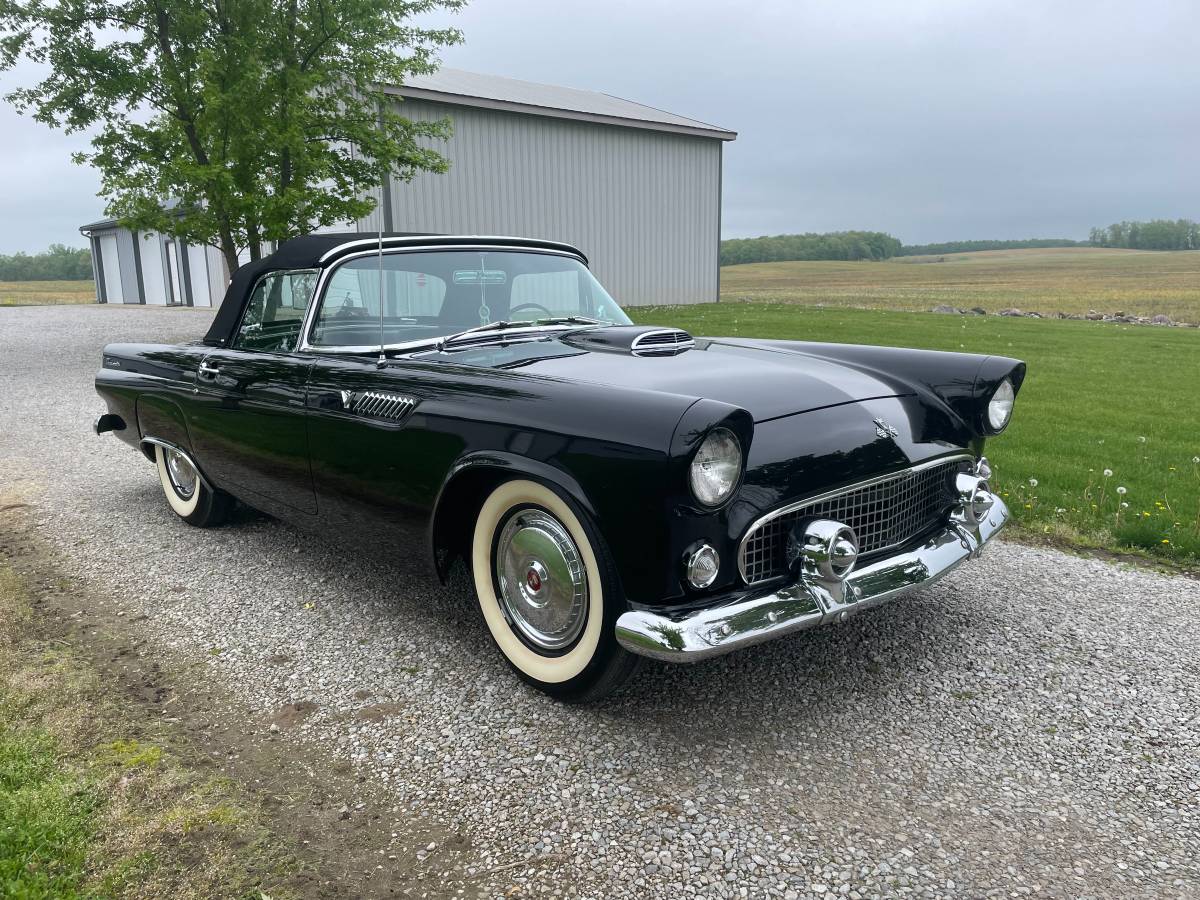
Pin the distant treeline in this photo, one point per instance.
(59, 263)
(785, 247)
(1158, 234)
(968, 246)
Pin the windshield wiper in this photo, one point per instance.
(517, 323)
(490, 326)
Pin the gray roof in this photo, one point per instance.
(459, 88)
(102, 225)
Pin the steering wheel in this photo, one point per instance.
(521, 306)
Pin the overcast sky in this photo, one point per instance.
(930, 120)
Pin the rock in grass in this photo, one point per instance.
(943, 308)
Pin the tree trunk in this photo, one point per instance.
(253, 240)
(229, 250)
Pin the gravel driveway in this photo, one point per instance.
(1031, 725)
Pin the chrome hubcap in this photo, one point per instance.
(542, 580)
(183, 476)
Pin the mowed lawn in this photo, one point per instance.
(1098, 397)
(43, 293)
(1068, 280)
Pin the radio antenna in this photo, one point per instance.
(382, 361)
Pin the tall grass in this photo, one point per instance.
(42, 293)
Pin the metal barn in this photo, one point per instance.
(637, 189)
(147, 267)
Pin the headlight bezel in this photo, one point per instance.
(718, 432)
(1010, 400)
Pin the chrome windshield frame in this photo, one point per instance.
(318, 298)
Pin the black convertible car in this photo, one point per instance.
(618, 491)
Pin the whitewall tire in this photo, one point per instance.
(187, 493)
(548, 592)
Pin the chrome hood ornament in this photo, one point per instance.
(884, 430)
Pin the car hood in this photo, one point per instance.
(768, 382)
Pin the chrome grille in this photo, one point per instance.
(378, 404)
(883, 512)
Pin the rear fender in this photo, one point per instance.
(159, 417)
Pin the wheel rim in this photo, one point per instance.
(182, 473)
(542, 580)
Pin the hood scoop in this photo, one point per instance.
(636, 340)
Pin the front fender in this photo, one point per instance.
(469, 481)
(962, 382)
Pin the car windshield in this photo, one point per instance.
(431, 295)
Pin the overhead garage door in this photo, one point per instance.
(112, 269)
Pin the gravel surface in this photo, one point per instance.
(1029, 726)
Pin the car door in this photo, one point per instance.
(247, 420)
(377, 465)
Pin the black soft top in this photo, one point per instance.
(313, 251)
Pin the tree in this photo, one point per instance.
(850, 245)
(263, 118)
(1157, 234)
(58, 263)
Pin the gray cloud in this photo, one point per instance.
(931, 120)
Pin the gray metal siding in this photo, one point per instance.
(644, 206)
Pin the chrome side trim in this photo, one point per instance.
(796, 607)
(829, 495)
(158, 442)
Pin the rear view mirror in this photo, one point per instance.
(480, 276)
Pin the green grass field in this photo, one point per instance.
(1098, 397)
(1068, 280)
(43, 293)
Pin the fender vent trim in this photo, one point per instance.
(378, 404)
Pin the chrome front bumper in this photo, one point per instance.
(807, 604)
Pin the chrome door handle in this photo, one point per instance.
(207, 372)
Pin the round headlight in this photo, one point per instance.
(716, 468)
(1000, 407)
